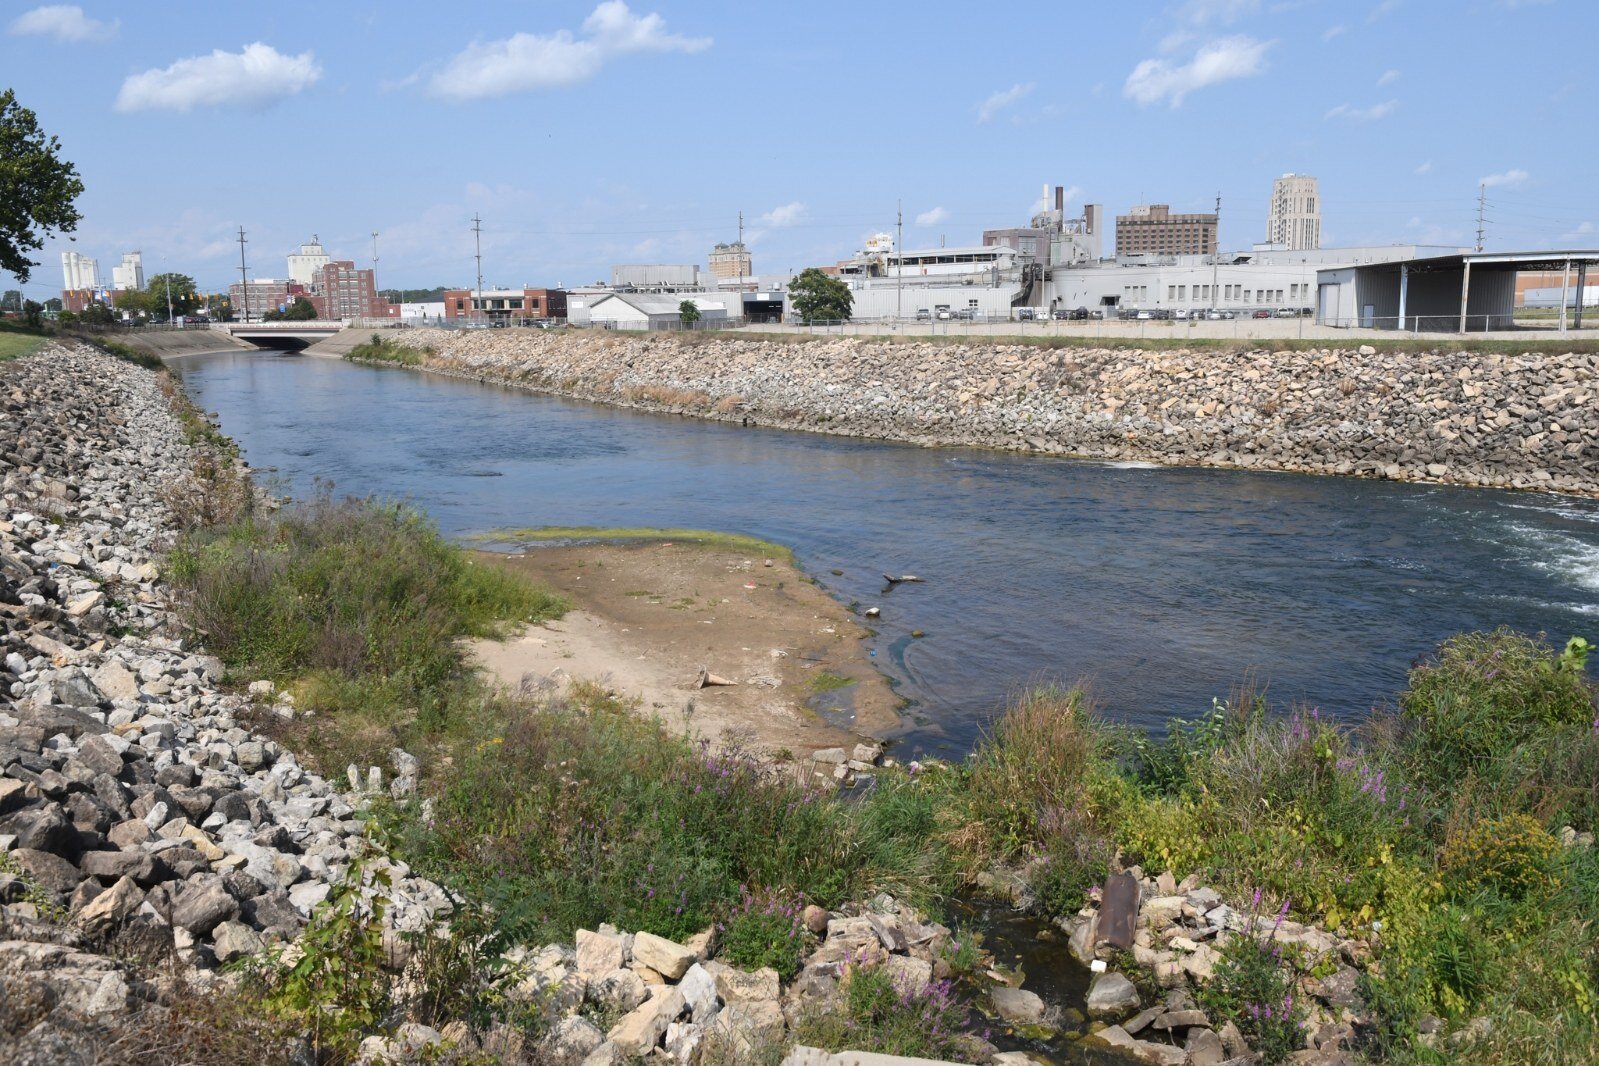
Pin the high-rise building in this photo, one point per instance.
(731, 261)
(1151, 229)
(342, 290)
(1294, 221)
(304, 263)
(128, 274)
(78, 271)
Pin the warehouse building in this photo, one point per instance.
(1458, 292)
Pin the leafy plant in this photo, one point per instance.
(1253, 987)
(765, 929)
(1514, 855)
(879, 1012)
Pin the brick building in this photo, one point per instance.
(341, 290)
(1151, 229)
(506, 305)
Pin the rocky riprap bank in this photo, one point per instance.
(139, 815)
(1511, 421)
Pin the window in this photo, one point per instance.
(1182, 292)
(1246, 296)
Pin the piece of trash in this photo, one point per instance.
(750, 585)
(707, 679)
(873, 612)
(1098, 966)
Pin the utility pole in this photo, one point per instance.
(899, 259)
(374, 262)
(1215, 254)
(1482, 203)
(244, 278)
(741, 264)
(477, 235)
(167, 277)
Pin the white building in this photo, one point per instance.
(128, 274)
(78, 271)
(304, 263)
(643, 311)
(985, 281)
(659, 277)
(415, 314)
(1241, 282)
(1294, 221)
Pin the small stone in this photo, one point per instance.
(235, 940)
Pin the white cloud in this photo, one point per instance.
(254, 77)
(932, 218)
(1333, 31)
(529, 61)
(1509, 179)
(1363, 114)
(1221, 60)
(998, 101)
(1424, 168)
(65, 22)
(1383, 10)
(1388, 78)
(1584, 229)
(1203, 12)
(790, 214)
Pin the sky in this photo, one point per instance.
(594, 133)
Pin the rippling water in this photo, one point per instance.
(1163, 585)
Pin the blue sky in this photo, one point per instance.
(588, 134)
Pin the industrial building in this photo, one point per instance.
(1456, 292)
(1294, 219)
(310, 258)
(1238, 282)
(128, 274)
(1152, 229)
(341, 290)
(660, 277)
(654, 311)
(505, 305)
(79, 272)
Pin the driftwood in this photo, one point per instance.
(892, 580)
(707, 679)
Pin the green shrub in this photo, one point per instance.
(382, 350)
(765, 929)
(1073, 859)
(1467, 711)
(1513, 855)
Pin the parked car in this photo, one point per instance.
(1060, 314)
(1287, 312)
(923, 315)
(1219, 314)
(964, 314)
(1262, 313)
(1079, 314)
(1025, 314)
(1182, 314)
(942, 312)
(1127, 313)
(1096, 314)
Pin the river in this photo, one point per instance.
(1162, 586)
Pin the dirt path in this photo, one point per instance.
(648, 616)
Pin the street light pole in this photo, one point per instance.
(168, 277)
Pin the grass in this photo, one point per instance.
(736, 542)
(382, 350)
(828, 682)
(295, 598)
(17, 341)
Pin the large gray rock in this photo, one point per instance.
(642, 1030)
(235, 940)
(570, 1042)
(1111, 996)
(1016, 1005)
(49, 871)
(203, 907)
(110, 909)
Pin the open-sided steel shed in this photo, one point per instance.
(1468, 291)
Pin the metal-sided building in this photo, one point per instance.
(1456, 293)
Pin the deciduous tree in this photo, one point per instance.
(37, 188)
(817, 297)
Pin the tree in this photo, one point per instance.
(53, 305)
(11, 301)
(32, 313)
(37, 189)
(134, 302)
(817, 296)
(95, 313)
(301, 310)
(184, 300)
(689, 312)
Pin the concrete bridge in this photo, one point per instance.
(288, 336)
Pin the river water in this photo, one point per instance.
(1162, 586)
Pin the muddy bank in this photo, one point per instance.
(648, 616)
(1476, 419)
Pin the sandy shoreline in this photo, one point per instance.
(648, 616)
